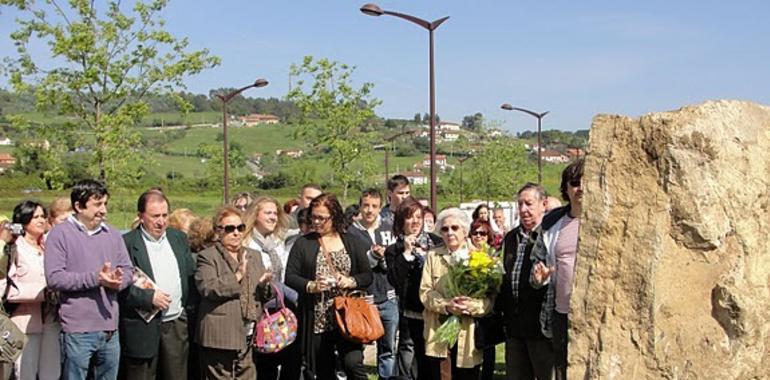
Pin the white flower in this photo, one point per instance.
(461, 256)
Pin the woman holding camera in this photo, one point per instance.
(322, 265)
(35, 310)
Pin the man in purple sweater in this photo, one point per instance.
(87, 262)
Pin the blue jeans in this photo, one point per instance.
(386, 346)
(78, 348)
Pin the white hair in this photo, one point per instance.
(454, 212)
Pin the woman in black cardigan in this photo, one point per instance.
(321, 265)
(405, 259)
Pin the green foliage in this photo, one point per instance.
(332, 114)
(105, 63)
(214, 155)
(498, 170)
(474, 123)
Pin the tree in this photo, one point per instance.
(331, 115)
(417, 119)
(214, 155)
(498, 170)
(474, 123)
(105, 63)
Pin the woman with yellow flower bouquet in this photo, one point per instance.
(458, 284)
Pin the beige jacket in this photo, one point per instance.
(432, 290)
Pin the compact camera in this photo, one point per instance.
(15, 228)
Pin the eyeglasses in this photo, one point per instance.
(479, 233)
(574, 183)
(231, 228)
(319, 219)
(447, 228)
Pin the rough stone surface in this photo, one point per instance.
(673, 273)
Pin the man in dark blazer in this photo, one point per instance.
(157, 348)
(528, 353)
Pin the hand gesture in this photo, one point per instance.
(242, 267)
(161, 300)
(266, 277)
(322, 284)
(542, 273)
(378, 250)
(108, 278)
(409, 243)
(345, 282)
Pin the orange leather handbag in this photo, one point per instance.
(357, 320)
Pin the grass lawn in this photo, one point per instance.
(262, 139)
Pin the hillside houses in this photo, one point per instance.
(258, 118)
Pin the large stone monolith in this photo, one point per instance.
(673, 274)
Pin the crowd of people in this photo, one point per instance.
(178, 296)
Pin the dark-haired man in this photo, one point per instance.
(528, 353)
(555, 254)
(378, 235)
(398, 191)
(158, 348)
(86, 261)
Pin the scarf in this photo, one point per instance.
(268, 245)
(247, 296)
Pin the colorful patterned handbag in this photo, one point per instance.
(277, 330)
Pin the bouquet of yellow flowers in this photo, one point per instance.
(474, 274)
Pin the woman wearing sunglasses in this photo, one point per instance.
(233, 284)
(464, 359)
(322, 265)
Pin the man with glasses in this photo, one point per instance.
(554, 255)
(528, 353)
(158, 347)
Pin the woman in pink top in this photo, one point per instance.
(35, 314)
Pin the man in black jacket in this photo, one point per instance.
(377, 235)
(157, 348)
(528, 353)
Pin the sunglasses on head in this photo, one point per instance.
(447, 228)
(231, 228)
(479, 233)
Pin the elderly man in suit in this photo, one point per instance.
(157, 348)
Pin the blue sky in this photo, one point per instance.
(574, 58)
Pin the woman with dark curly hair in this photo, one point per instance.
(323, 264)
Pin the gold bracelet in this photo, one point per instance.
(310, 285)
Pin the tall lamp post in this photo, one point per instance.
(374, 10)
(462, 183)
(390, 140)
(226, 99)
(539, 117)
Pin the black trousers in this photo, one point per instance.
(171, 360)
(411, 361)
(447, 369)
(560, 343)
(351, 354)
(529, 358)
(288, 359)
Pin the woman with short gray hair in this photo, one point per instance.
(454, 212)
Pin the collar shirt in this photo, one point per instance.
(166, 272)
(101, 227)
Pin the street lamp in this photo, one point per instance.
(539, 117)
(226, 99)
(462, 184)
(390, 140)
(374, 10)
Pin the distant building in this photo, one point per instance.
(553, 156)
(6, 141)
(258, 118)
(293, 153)
(449, 136)
(495, 133)
(6, 161)
(440, 160)
(448, 126)
(416, 178)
